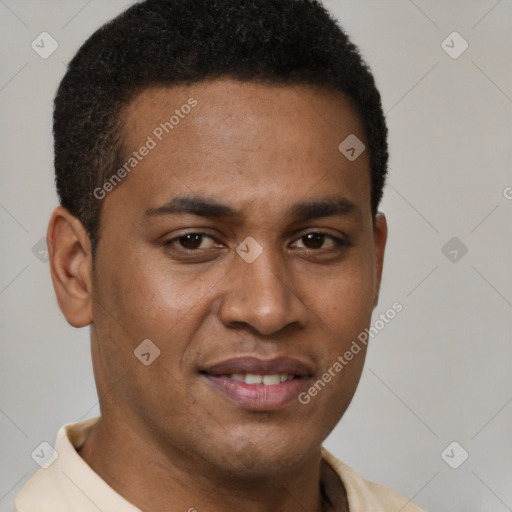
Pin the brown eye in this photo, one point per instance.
(191, 241)
(318, 240)
(194, 247)
(313, 240)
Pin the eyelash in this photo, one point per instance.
(339, 242)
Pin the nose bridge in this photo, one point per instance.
(260, 296)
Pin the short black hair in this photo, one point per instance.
(180, 42)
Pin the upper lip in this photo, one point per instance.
(257, 366)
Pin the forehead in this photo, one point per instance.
(246, 141)
(228, 105)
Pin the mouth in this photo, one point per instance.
(259, 385)
(253, 379)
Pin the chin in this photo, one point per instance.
(258, 456)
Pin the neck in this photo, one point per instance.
(156, 478)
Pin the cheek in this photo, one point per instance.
(343, 300)
(344, 310)
(133, 305)
(348, 315)
(330, 394)
(152, 298)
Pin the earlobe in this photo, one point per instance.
(69, 250)
(380, 234)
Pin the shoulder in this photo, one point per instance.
(50, 489)
(365, 496)
(41, 493)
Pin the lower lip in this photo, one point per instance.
(259, 397)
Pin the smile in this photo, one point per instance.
(268, 380)
(259, 385)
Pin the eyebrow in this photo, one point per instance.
(329, 207)
(195, 205)
(212, 208)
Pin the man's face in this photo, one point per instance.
(249, 160)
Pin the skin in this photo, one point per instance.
(261, 150)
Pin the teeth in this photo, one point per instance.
(271, 380)
(267, 380)
(250, 378)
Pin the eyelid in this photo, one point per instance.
(339, 239)
(173, 241)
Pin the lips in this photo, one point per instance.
(255, 366)
(257, 384)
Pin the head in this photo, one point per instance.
(226, 116)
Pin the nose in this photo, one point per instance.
(261, 295)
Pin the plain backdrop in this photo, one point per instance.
(439, 373)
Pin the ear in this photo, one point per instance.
(69, 250)
(380, 236)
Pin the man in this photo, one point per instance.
(219, 165)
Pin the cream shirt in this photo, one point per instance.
(70, 485)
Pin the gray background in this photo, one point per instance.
(439, 372)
